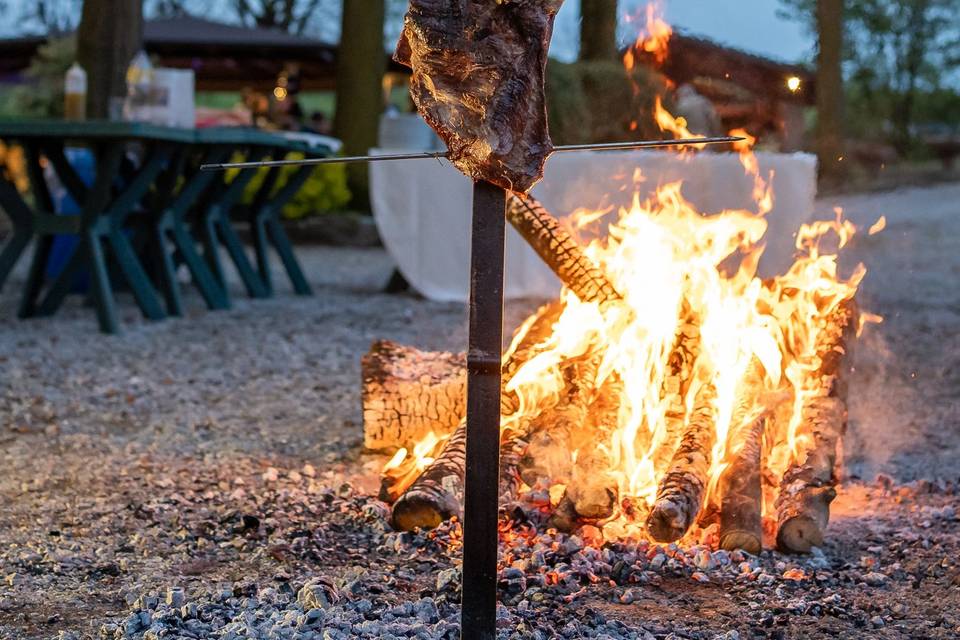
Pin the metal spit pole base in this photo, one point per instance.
(478, 618)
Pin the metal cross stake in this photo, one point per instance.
(482, 477)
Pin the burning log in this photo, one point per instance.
(807, 487)
(552, 431)
(564, 517)
(559, 250)
(437, 494)
(741, 525)
(806, 491)
(408, 393)
(675, 387)
(680, 493)
(594, 490)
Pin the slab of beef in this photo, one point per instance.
(478, 69)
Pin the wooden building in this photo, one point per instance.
(224, 57)
(764, 96)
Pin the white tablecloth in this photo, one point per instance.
(422, 209)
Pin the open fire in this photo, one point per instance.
(670, 393)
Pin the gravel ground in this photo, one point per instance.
(202, 477)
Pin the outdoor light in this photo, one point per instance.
(793, 83)
(280, 93)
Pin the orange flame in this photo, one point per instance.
(654, 37)
(686, 277)
(402, 469)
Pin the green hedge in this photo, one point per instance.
(596, 101)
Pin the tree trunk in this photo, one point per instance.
(912, 63)
(830, 90)
(110, 33)
(360, 65)
(598, 30)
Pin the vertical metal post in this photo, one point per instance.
(480, 540)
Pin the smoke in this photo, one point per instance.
(883, 408)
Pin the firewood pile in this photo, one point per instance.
(766, 477)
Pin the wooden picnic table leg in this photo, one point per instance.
(213, 294)
(105, 219)
(108, 160)
(170, 226)
(78, 260)
(20, 219)
(174, 222)
(90, 252)
(102, 293)
(258, 231)
(117, 214)
(163, 259)
(79, 192)
(41, 252)
(62, 284)
(269, 228)
(216, 229)
(154, 232)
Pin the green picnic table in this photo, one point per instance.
(139, 219)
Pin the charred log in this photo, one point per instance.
(407, 393)
(806, 490)
(741, 506)
(676, 383)
(681, 490)
(437, 494)
(808, 486)
(551, 433)
(559, 250)
(564, 517)
(593, 490)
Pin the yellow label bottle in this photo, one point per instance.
(75, 93)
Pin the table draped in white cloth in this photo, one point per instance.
(422, 208)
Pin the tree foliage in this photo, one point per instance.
(294, 16)
(43, 96)
(898, 54)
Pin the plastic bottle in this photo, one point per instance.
(75, 93)
(139, 84)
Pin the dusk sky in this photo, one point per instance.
(751, 25)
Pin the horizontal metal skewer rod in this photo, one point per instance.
(428, 155)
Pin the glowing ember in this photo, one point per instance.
(402, 469)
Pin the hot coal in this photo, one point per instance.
(348, 575)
